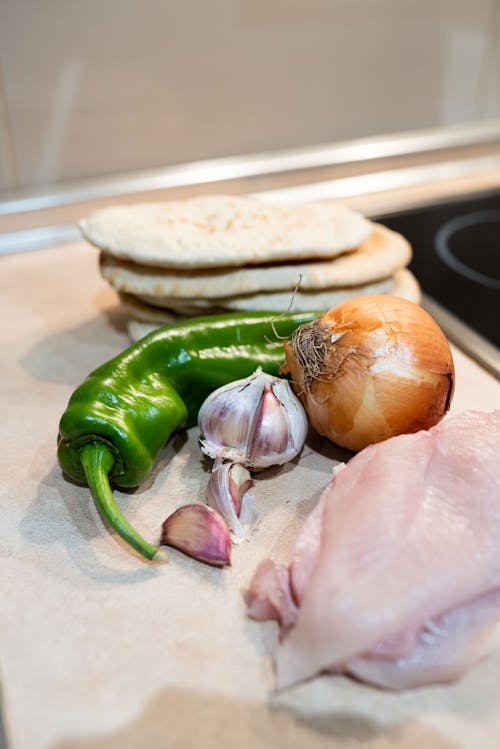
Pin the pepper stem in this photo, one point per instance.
(97, 461)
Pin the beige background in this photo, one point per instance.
(98, 87)
(102, 650)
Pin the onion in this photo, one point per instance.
(371, 368)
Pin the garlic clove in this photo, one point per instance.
(297, 416)
(227, 493)
(200, 532)
(258, 421)
(226, 417)
(240, 482)
(270, 432)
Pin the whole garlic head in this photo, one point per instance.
(257, 421)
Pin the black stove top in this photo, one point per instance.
(456, 258)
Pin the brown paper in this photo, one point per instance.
(100, 649)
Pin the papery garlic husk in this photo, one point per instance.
(200, 532)
(227, 492)
(371, 368)
(257, 421)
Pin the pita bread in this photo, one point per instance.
(298, 301)
(147, 313)
(142, 310)
(223, 230)
(402, 283)
(378, 257)
(405, 285)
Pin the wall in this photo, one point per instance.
(91, 88)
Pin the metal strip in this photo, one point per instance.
(216, 170)
(473, 344)
(26, 240)
(393, 179)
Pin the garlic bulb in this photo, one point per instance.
(258, 421)
(371, 368)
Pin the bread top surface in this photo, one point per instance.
(224, 231)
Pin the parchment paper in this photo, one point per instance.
(101, 649)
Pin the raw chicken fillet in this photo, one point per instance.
(395, 576)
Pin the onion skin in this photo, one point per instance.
(371, 368)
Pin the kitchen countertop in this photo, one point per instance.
(101, 649)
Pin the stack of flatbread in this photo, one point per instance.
(222, 253)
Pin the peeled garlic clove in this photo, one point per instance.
(227, 493)
(257, 421)
(200, 532)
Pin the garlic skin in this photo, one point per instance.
(200, 532)
(257, 421)
(227, 493)
(371, 368)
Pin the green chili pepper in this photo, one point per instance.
(123, 413)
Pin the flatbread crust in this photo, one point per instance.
(146, 318)
(403, 283)
(224, 230)
(377, 257)
(147, 313)
(297, 300)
